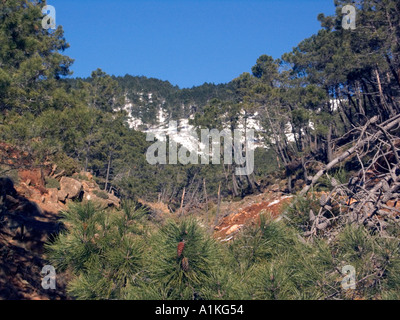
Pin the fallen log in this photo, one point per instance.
(387, 126)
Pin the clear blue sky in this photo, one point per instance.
(186, 42)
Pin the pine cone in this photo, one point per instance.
(181, 246)
(185, 264)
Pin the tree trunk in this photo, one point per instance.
(218, 205)
(87, 158)
(205, 193)
(235, 187)
(277, 140)
(182, 199)
(360, 108)
(329, 153)
(381, 95)
(108, 170)
(372, 138)
(393, 70)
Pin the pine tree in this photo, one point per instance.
(30, 58)
(190, 275)
(103, 251)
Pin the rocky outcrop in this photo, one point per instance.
(62, 195)
(81, 186)
(29, 217)
(33, 177)
(70, 188)
(268, 204)
(111, 201)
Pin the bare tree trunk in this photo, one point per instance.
(87, 159)
(183, 198)
(278, 161)
(277, 139)
(190, 204)
(290, 183)
(381, 95)
(218, 204)
(303, 164)
(235, 187)
(359, 105)
(329, 153)
(205, 193)
(393, 70)
(108, 170)
(251, 182)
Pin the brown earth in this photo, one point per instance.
(248, 211)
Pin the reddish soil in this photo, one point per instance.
(231, 224)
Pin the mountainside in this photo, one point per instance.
(146, 97)
(34, 200)
(149, 96)
(85, 189)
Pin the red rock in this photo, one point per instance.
(33, 176)
(52, 196)
(232, 229)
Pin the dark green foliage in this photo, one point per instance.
(111, 257)
(68, 164)
(103, 251)
(275, 263)
(30, 58)
(171, 278)
(298, 211)
(175, 102)
(329, 84)
(265, 163)
(120, 256)
(375, 258)
(101, 194)
(52, 183)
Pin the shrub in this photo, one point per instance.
(52, 183)
(66, 163)
(82, 177)
(10, 173)
(298, 211)
(104, 252)
(193, 274)
(101, 194)
(121, 256)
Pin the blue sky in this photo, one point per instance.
(186, 42)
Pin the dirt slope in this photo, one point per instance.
(248, 211)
